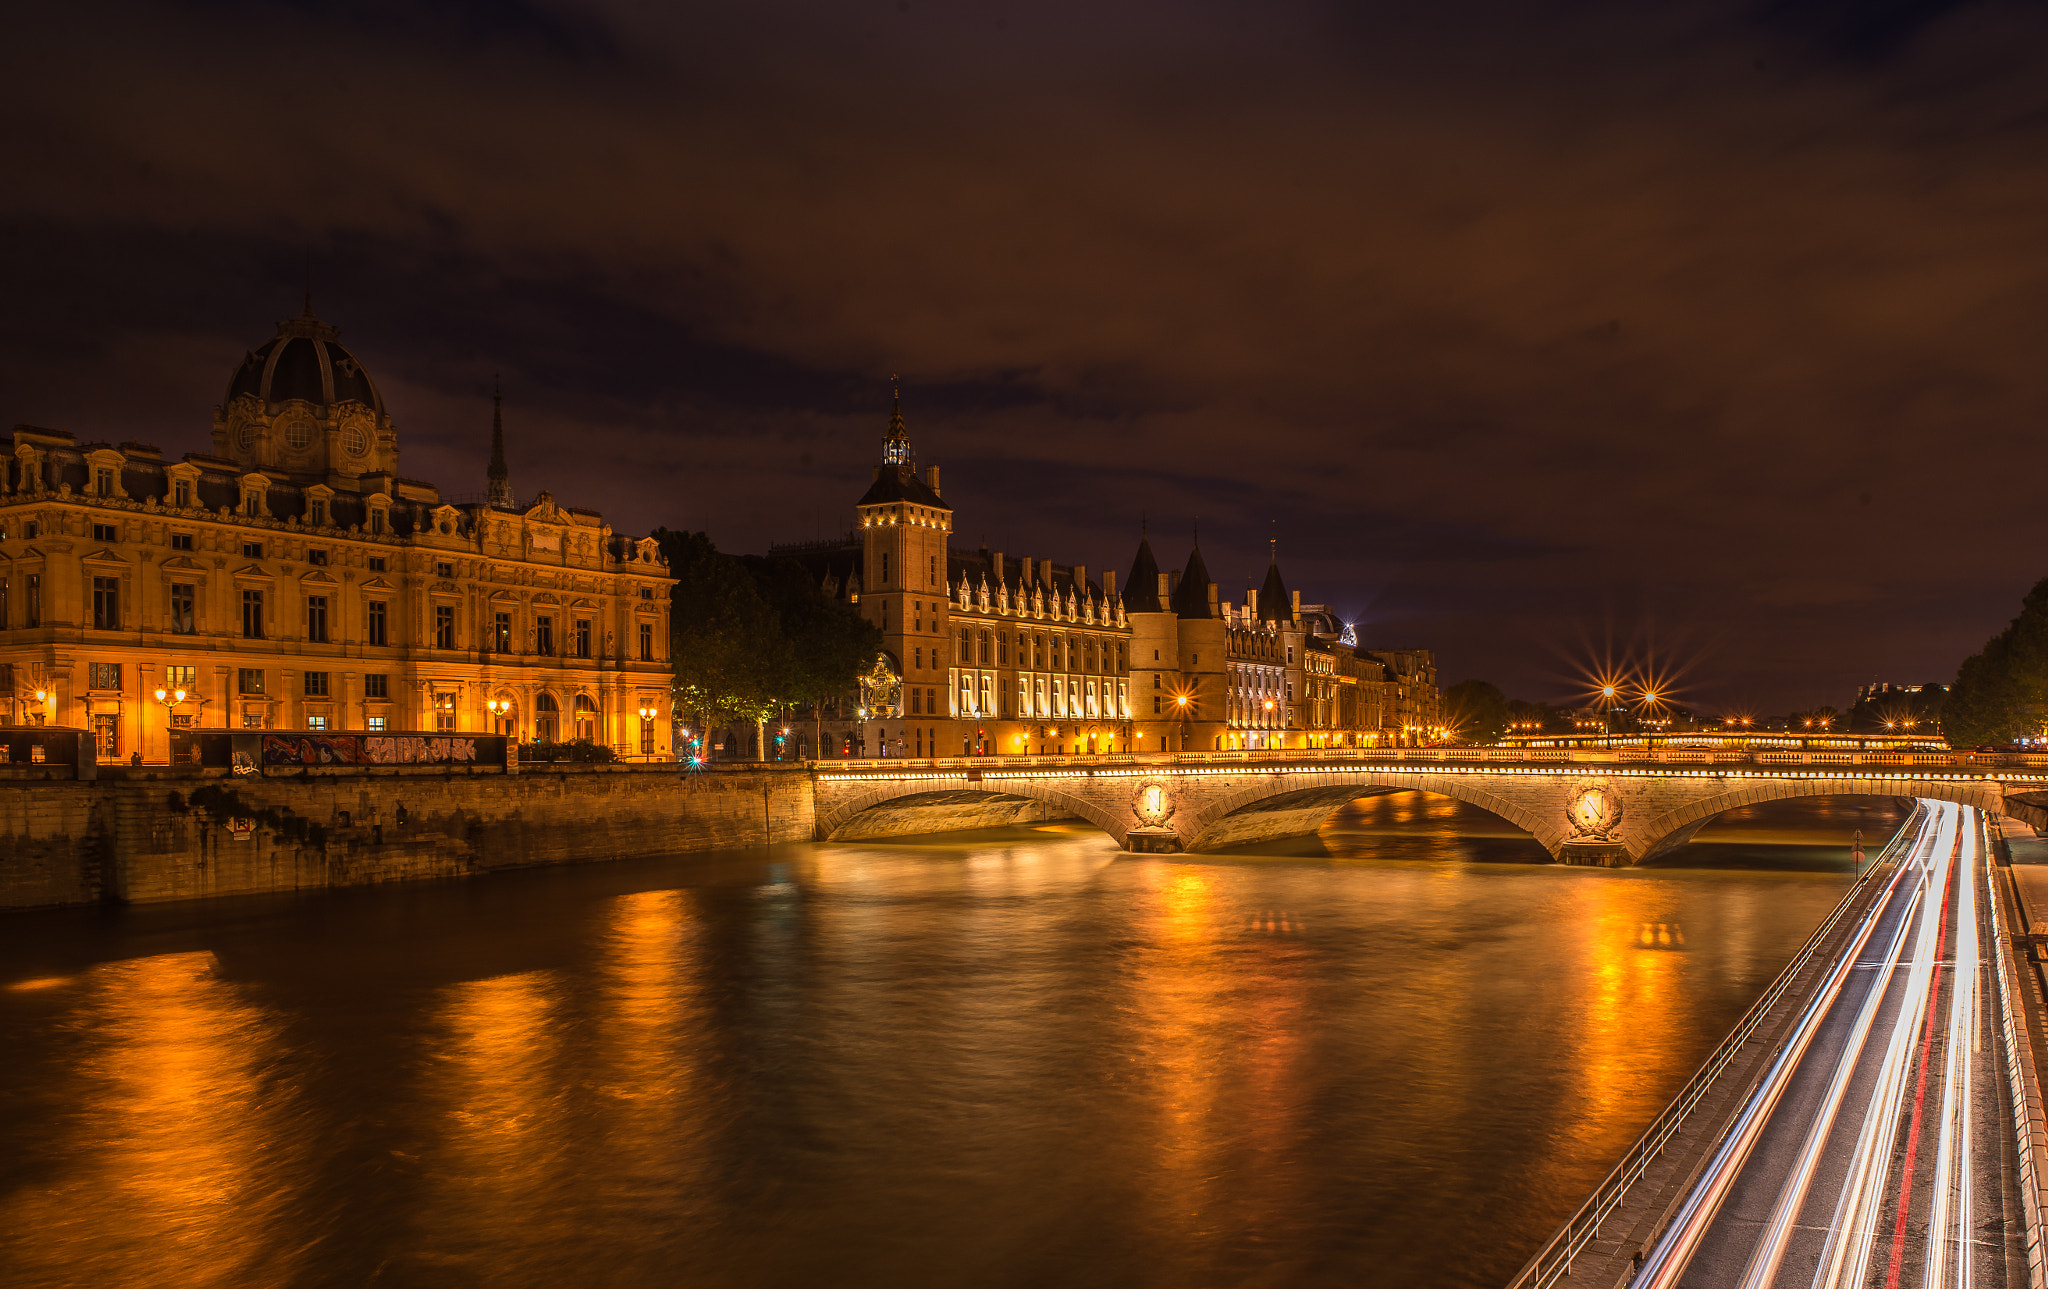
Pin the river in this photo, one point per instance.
(1396, 1054)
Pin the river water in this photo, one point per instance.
(1398, 1054)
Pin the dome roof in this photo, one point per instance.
(304, 361)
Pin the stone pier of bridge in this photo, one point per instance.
(1606, 814)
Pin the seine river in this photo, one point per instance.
(1398, 1055)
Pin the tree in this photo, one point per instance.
(829, 644)
(1476, 711)
(729, 652)
(2001, 692)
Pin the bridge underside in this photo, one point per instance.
(1290, 814)
(954, 810)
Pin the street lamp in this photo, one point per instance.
(170, 698)
(647, 715)
(42, 706)
(500, 709)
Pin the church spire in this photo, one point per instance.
(500, 493)
(896, 448)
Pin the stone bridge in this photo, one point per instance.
(1607, 812)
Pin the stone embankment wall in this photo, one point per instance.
(157, 834)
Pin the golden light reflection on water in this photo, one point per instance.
(651, 1126)
(176, 1167)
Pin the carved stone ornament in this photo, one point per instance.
(879, 689)
(1594, 810)
(1154, 805)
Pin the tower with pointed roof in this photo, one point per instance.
(1155, 654)
(904, 528)
(500, 490)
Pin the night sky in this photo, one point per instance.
(1707, 335)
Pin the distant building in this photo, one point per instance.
(293, 579)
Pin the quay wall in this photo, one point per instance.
(154, 834)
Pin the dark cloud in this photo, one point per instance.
(1523, 326)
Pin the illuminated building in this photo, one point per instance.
(292, 579)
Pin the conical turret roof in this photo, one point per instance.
(1191, 597)
(1274, 605)
(1141, 593)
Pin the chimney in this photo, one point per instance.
(999, 568)
(1172, 582)
(1297, 606)
(1080, 577)
(931, 479)
(1166, 581)
(1251, 602)
(1212, 599)
(1026, 579)
(1109, 584)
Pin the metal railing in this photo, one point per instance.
(1553, 1261)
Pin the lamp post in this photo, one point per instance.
(42, 706)
(647, 715)
(500, 709)
(170, 698)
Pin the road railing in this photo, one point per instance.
(1887, 762)
(1553, 1262)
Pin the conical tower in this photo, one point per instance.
(500, 491)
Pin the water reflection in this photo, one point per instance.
(168, 1158)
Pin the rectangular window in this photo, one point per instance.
(646, 592)
(184, 621)
(376, 685)
(316, 514)
(317, 558)
(444, 626)
(252, 718)
(103, 481)
(647, 642)
(252, 550)
(374, 724)
(32, 612)
(249, 680)
(376, 563)
(252, 503)
(181, 494)
(106, 735)
(252, 615)
(316, 619)
(106, 533)
(316, 722)
(544, 634)
(916, 702)
(181, 541)
(885, 568)
(375, 625)
(316, 684)
(106, 604)
(444, 569)
(185, 678)
(106, 675)
(583, 637)
(377, 520)
(501, 633)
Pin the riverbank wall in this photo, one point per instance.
(154, 834)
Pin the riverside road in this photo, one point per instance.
(1876, 1150)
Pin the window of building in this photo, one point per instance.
(3, 603)
(106, 737)
(444, 711)
(376, 563)
(377, 520)
(252, 718)
(984, 648)
(544, 634)
(105, 675)
(376, 685)
(249, 680)
(374, 724)
(316, 515)
(934, 576)
(316, 684)
(316, 619)
(106, 532)
(646, 592)
(252, 503)
(32, 611)
(252, 550)
(885, 568)
(444, 626)
(586, 719)
(252, 615)
(501, 633)
(181, 541)
(1003, 647)
(374, 626)
(29, 529)
(916, 702)
(647, 642)
(180, 677)
(181, 494)
(444, 569)
(106, 604)
(184, 621)
(103, 481)
(316, 722)
(546, 718)
(582, 637)
(317, 558)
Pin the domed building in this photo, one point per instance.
(292, 579)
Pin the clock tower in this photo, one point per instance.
(904, 528)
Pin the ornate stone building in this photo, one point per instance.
(293, 579)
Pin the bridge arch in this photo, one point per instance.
(840, 820)
(1288, 805)
(1661, 833)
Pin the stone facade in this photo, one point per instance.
(292, 579)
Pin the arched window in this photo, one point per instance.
(546, 719)
(586, 718)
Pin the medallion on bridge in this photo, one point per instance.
(1594, 810)
(1153, 806)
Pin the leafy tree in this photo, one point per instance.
(829, 644)
(2001, 692)
(1476, 711)
(730, 655)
